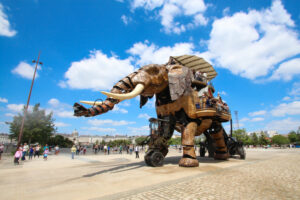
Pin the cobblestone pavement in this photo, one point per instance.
(276, 177)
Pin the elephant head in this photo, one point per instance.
(168, 82)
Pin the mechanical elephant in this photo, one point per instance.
(176, 103)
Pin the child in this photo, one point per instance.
(46, 152)
(18, 155)
(31, 150)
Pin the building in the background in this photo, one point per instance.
(4, 139)
(271, 133)
(93, 139)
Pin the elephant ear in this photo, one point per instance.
(143, 100)
(180, 80)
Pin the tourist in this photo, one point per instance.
(31, 150)
(1, 150)
(46, 147)
(25, 149)
(105, 149)
(37, 151)
(137, 152)
(18, 155)
(73, 150)
(56, 149)
(84, 150)
(46, 152)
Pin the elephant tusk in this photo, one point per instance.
(92, 103)
(137, 90)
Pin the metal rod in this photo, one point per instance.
(26, 108)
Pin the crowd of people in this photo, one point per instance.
(32, 151)
(106, 149)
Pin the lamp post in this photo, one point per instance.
(26, 108)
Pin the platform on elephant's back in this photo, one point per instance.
(223, 116)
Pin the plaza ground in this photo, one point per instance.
(265, 174)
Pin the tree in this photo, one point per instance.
(279, 140)
(293, 137)
(240, 134)
(38, 126)
(263, 139)
(254, 139)
(141, 140)
(60, 141)
(174, 141)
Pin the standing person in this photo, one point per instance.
(56, 149)
(46, 147)
(18, 155)
(46, 152)
(84, 150)
(1, 150)
(105, 149)
(73, 150)
(25, 150)
(137, 152)
(31, 150)
(108, 148)
(121, 149)
(37, 151)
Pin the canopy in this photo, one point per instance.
(197, 63)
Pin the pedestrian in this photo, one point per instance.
(84, 150)
(1, 150)
(73, 150)
(37, 151)
(121, 149)
(18, 155)
(108, 148)
(56, 149)
(46, 147)
(137, 152)
(31, 150)
(25, 150)
(77, 150)
(105, 149)
(46, 152)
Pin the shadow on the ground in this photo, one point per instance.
(174, 160)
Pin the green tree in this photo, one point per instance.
(280, 140)
(254, 139)
(293, 137)
(141, 140)
(38, 126)
(175, 141)
(263, 139)
(240, 134)
(60, 141)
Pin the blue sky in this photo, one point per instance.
(87, 46)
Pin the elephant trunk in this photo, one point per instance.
(124, 86)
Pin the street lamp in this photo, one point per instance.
(26, 108)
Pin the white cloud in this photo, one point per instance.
(144, 130)
(99, 122)
(5, 28)
(101, 130)
(244, 119)
(117, 109)
(287, 70)
(64, 114)
(257, 119)
(16, 107)
(257, 113)
(24, 70)
(144, 115)
(295, 90)
(170, 12)
(286, 98)
(3, 100)
(98, 72)
(61, 124)
(284, 125)
(283, 109)
(251, 44)
(148, 54)
(9, 114)
(126, 20)
(53, 102)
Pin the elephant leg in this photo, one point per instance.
(205, 124)
(221, 148)
(189, 157)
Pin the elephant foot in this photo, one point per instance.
(221, 156)
(188, 162)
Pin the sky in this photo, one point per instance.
(88, 46)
